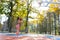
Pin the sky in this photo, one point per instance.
(35, 4)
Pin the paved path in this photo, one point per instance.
(2, 37)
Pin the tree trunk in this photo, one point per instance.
(26, 29)
(9, 18)
(55, 22)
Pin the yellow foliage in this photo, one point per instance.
(53, 7)
(34, 21)
(22, 27)
(54, 0)
(40, 18)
